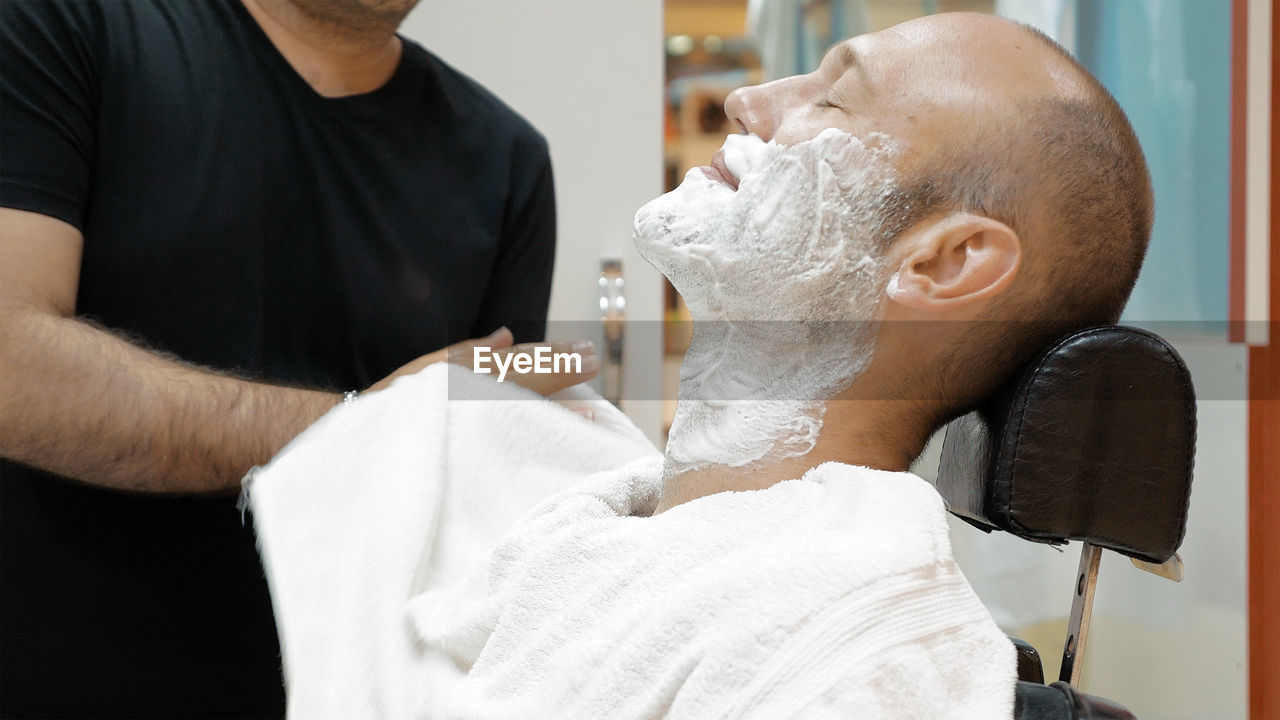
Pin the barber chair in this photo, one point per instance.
(1093, 442)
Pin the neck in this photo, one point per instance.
(335, 58)
(879, 434)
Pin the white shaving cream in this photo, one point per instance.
(782, 278)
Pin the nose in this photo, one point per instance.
(752, 110)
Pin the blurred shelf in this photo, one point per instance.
(705, 17)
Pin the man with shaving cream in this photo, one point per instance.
(1018, 207)
(889, 238)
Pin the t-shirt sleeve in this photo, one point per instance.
(519, 288)
(47, 107)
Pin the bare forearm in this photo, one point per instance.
(81, 402)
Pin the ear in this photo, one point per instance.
(956, 262)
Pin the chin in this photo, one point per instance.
(678, 233)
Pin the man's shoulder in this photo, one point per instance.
(74, 11)
(888, 488)
(864, 521)
(21, 23)
(122, 37)
(474, 101)
(105, 17)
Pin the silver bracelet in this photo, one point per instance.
(349, 397)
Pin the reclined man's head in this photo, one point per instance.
(993, 196)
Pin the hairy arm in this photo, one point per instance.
(81, 402)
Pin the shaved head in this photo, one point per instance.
(1015, 205)
(1022, 207)
(1066, 172)
(999, 122)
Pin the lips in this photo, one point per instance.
(719, 172)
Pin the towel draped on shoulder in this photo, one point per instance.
(452, 548)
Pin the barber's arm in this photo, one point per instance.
(79, 401)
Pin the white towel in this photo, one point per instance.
(830, 596)
(401, 491)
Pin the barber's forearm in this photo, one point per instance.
(81, 402)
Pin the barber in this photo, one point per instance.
(216, 218)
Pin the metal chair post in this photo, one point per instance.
(1081, 609)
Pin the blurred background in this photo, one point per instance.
(630, 96)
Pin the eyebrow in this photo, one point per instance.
(849, 58)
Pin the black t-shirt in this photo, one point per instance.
(237, 219)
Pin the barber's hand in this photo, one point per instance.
(499, 342)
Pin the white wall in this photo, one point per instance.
(588, 74)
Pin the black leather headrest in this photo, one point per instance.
(1093, 441)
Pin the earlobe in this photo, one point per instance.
(955, 263)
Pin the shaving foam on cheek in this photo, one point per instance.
(783, 279)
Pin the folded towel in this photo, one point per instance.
(398, 596)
